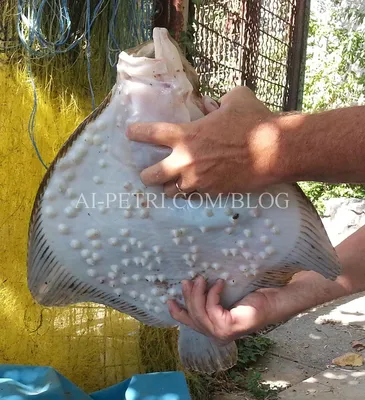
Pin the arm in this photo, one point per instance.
(243, 135)
(327, 146)
(269, 306)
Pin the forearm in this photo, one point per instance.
(328, 146)
(309, 289)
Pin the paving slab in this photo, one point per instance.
(316, 337)
(331, 384)
(281, 373)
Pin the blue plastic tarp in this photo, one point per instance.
(20, 382)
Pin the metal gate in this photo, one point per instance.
(258, 43)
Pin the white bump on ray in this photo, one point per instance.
(91, 272)
(270, 250)
(92, 233)
(247, 255)
(216, 266)
(118, 291)
(163, 299)
(113, 241)
(125, 248)
(247, 233)
(233, 252)
(255, 213)
(50, 212)
(75, 244)
(115, 268)
(228, 211)
(125, 280)
(126, 261)
(156, 249)
(263, 255)
(97, 244)
(112, 275)
(177, 241)
(241, 244)
(144, 214)
(85, 253)
(225, 252)
(102, 163)
(224, 275)
(172, 291)
(132, 241)
(229, 230)
(70, 193)
(133, 294)
(194, 249)
(268, 223)
(155, 291)
(97, 180)
(49, 195)
(191, 239)
(127, 214)
(64, 229)
(264, 239)
(97, 140)
(128, 186)
(96, 256)
(124, 232)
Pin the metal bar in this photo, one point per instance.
(161, 18)
(251, 40)
(296, 56)
(172, 15)
(275, 15)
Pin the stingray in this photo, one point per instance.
(97, 234)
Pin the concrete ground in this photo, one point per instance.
(300, 363)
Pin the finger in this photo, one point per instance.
(160, 133)
(217, 314)
(210, 105)
(239, 93)
(160, 173)
(197, 309)
(171, 189)
(213, 297)
(179, 314)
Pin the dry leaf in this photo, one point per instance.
(349, 359)
(358, 345)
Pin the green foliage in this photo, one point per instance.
(317, 192)
(335, 74)
(251, 349)
(258, 389)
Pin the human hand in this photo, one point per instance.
(232, 149)
(259, 309)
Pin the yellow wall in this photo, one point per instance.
(93, 346)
